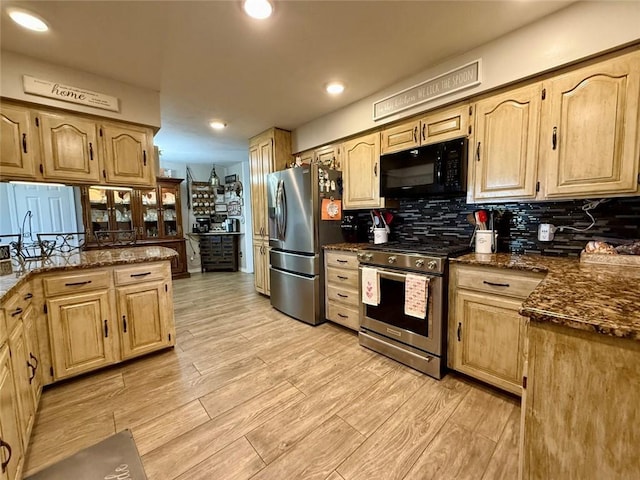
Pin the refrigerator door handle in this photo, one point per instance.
(281, 211)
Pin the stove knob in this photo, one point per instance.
(419, 263)
(368, 256)
(360, 256)
(432, 265)
(392, 259)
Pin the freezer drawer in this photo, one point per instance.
(297, 296)
(294, 262)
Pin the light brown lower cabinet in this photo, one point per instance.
(486, 332)
(11, 448)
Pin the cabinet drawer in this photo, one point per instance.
(16, 304)
(3, 328)
(498, 280)
(77, 282)
(342, 259)
(341, 276)
(342, 295)
(142, 273)
(348, 317)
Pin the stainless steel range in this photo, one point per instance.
(417, 342)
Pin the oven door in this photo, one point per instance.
(388, 317)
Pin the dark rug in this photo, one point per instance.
(114, 458)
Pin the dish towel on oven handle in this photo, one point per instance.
(416, 295)
(370, 286)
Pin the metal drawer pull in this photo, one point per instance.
(4, 465)
(343, 316)
(106, 329)
(124, 323)
(33, 372)
(341, 261)
(343, 296)
(24, 142)
(33, 357)
(77, 284)
(140, 274)
(28, 296)
(459, 328)
(17, 311)
(496, 284)
(342, 277)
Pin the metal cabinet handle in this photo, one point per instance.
(144, 158)
(495, 284)
(33, 372)
(28, 296)
(343, 316)
(77, 284)
(34, 358)
(106, 329)
(375, 169)
(134, 275)
(554, 138)
(342, 295)
(124, 323)
(342, 278)
(24, 142)
(478, 152)
(459, 330)
(4, 465)
(342, 261)
(415, 133)
(90, 151)
(424, 135)
(16, 312)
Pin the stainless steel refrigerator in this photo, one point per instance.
(304, 214)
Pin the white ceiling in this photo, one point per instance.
(209, 60)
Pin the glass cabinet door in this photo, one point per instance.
(122, 209)
(99, 209)
(150, 218)
(170, 227)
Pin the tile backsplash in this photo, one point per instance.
(418, 220)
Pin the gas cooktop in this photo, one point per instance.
(432, 249)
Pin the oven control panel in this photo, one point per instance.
(405, 261)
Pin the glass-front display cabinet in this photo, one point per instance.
(120, 217)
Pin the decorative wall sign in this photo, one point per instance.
(234, 209)
(467, 76)
(67, 93)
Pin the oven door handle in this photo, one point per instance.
(392, 275)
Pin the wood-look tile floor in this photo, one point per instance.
(249, 393)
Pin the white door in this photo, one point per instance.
(53, 209)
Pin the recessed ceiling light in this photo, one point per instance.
(217, 125)
(28, 20)
(334, 88)
(259, 9)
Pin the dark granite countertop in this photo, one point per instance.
(83, 260)
(346, 246)
(593, 297)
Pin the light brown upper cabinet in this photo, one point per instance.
(128, 154)
(505, 152)
(53, 145)
(69, 148)
(361, 172)
(438, 126)
(589, 131)
(575, 135)
(18, 143)
(330, 156)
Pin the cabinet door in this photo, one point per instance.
(9, 420)
(261, 267)
(18, 143)
(128, 155)
(148, 214)
(505, 155)
(69, 149)
(266, 166)
(82, 333)
(21, 375)
(329, 156)
(33, 354)
(489, 339)
(400, 137)
(361, 172)
(445, 125)
(258, 193)
(589, 139)
(142, 315)
(170, 214)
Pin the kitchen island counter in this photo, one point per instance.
(84, 260)
(597, 298)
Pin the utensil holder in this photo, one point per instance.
(380, 235)
(483, 241)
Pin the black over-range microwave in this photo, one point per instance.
(437, 169)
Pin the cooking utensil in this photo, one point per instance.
(482, 218)
(388, 217)
(386, 227)
(471, 219)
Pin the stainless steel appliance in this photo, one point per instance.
(299, 199)
(437, 169)
(385, 328)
